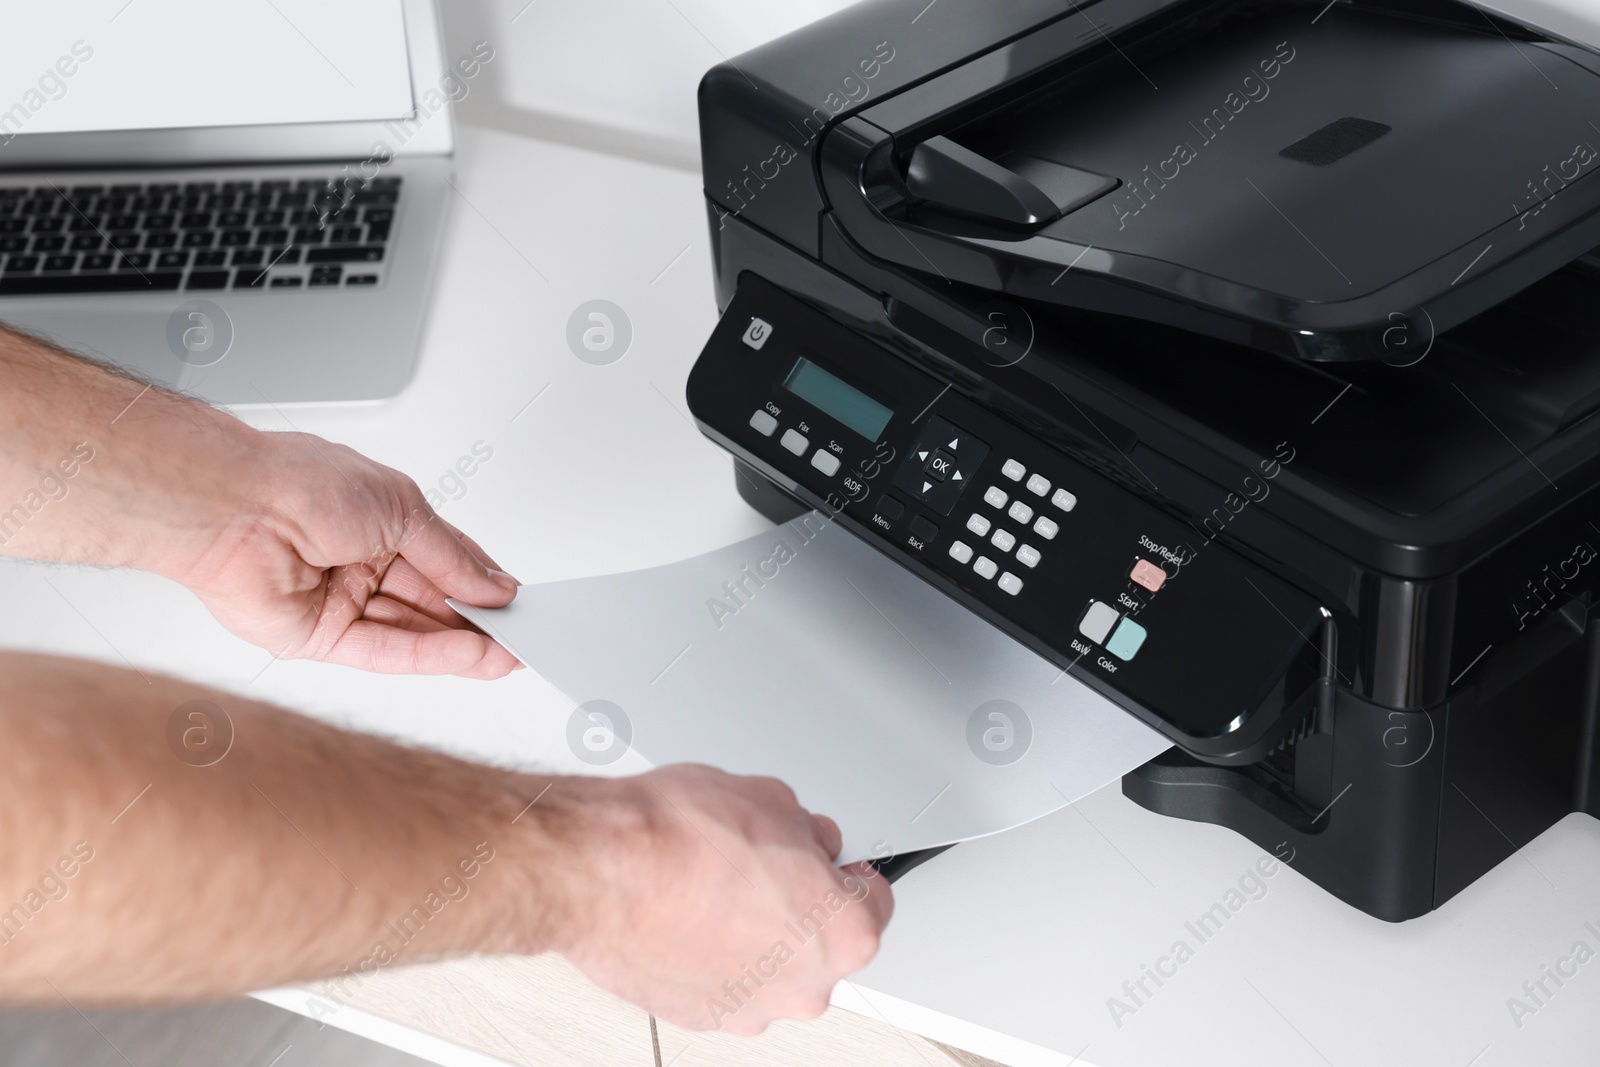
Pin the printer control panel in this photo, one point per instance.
(1123, 595)
(1007, 528)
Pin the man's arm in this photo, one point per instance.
(708, 899)
(301, 546)
(130, 874)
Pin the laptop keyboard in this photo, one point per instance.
(282, 234)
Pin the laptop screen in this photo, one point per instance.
(98, 65)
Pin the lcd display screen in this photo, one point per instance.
(837, 398)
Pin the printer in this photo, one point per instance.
(1241, 357)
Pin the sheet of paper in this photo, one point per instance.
(805, 654)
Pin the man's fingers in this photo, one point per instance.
(397, 613)
(403, 582)
(472, 546)
(828, 835)
(384, 649)
(433, 548)
(879, 898)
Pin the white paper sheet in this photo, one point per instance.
(805, 654)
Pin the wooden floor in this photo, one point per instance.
(539, 1011)
(530, 1012)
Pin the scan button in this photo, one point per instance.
(826, 462)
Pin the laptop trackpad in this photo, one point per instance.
(133, 336)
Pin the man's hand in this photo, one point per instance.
(708, 899)
(298, 545)
(342, 559)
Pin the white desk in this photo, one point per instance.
(1009, 947)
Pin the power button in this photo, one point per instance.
(756, 334)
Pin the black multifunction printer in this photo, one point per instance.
(1240, 357)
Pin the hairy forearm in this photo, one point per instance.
(103, 469)
(131, 873)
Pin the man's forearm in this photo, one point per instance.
(136, 868)
(81, 446)
(133, 872)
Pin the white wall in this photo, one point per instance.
(1576, 19)
(620, 74)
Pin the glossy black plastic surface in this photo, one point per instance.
(958, 179)
(1243, 213)
(1409, 808)
(762, 114)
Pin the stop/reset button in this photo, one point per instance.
(1148, 575)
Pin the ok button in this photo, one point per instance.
(941, 466)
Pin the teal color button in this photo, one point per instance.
(1128, 639)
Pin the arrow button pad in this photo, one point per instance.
(941, 465)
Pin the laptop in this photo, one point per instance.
(239, 201)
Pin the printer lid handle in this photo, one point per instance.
(1015, 190)
(960, 180)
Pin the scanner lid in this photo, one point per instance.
(1320, 181)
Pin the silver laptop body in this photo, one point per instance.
(318, 295)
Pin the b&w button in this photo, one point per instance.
(1097, 621)
(1013, 470)
(985, 567)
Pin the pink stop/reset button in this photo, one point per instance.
(1148, 575)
